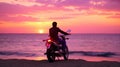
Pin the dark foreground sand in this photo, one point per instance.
(45, 63)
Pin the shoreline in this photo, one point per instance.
(58, 63)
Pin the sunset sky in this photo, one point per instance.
(80, 16)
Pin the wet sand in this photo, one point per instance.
(61, 63)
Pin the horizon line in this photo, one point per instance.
(48, 33)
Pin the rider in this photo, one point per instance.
(53, 32)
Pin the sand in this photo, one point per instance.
(61, 63)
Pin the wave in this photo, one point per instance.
(90, 53)
(16, 53)
(85, 53)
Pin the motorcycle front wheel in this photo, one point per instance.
(66, 53)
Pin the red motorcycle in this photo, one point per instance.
(54, 50)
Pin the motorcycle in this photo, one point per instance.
(55, 50)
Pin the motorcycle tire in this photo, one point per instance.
(50, 56)
(66, 54)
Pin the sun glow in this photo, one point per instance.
(41, 31)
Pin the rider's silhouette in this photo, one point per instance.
(53, 32)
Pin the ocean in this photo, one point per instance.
(89, 47)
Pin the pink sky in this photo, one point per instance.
(81, 16)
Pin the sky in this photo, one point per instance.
(79, 16)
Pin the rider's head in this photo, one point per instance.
(54, 24)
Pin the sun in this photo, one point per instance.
(41, 31)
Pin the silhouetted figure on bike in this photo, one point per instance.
(53, 32)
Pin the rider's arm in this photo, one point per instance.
(65, 33)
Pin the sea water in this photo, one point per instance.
(90, 47)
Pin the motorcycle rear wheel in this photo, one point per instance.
(50, 56)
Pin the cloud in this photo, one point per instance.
(84, 4)
(80, 4)
(109, 5)
(22, 2)
(60, 17)
(9, 9)
(6, 8)
(18, 18)
(114, 16)
(8, 12)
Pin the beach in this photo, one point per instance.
(58, 63)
